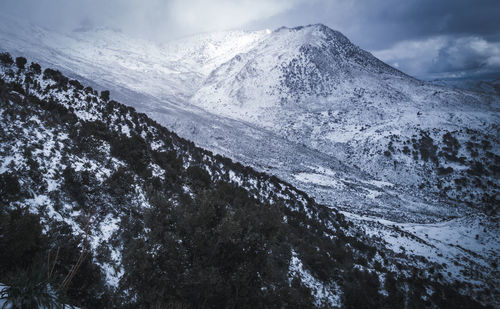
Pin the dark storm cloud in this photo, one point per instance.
(376, 24)
(445, 56)
(425, 38)
(468, 54)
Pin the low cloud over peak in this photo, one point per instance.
(423, 38)
(445, 57)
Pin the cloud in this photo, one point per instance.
(421, 37)
(156, 19)
(414, 57)
(372, 24)
(203, 15)
(444, 56)
(376, 25)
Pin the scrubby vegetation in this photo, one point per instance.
(148, 219)
(36, 266)
(460, 165)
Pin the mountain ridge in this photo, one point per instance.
(80, 160)
(359, 117)
(386, 150)
(313, 62)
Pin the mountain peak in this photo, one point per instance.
(320, 30)
(310, 26)
(292, 65)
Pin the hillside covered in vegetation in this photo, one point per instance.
(100, 206)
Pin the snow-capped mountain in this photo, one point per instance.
(140, 217)
(489, 86)
(307, 105)
(111, 59)
(292, 70)
(311, 85)
(323, 104)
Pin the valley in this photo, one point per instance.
(413, 163)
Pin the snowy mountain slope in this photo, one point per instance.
(366, 142)
(58, 142)
(333, 127)
(287, 68)
(109, 58)
(128, 190)
(143, 74)
(488, 85)
(310, 85)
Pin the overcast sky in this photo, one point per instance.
(424, 38)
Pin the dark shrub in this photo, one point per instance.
(6, 59)
(56, 76)
(477, 169)
(198, 176)
(444, 171)
(132, 150)
(35, 68)
(74, 186)
(21, 62)
(105, 95)
(22, 239)
(9, 188)
(76, 84)
(361, 290)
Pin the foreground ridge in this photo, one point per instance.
(165, 223)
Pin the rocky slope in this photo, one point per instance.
(307, 105)
(162, 222)
(311, 85)
(321, 102)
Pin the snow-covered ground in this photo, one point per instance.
(467, 248)
(303, 104)
(324, 295)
